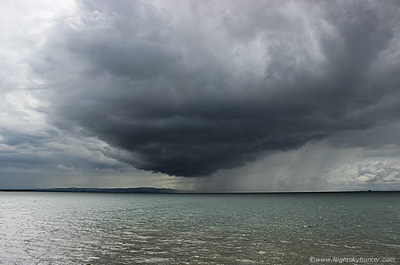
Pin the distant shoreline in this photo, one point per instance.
(148, 190)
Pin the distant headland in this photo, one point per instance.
(176, 191)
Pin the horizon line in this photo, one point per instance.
(175, 191)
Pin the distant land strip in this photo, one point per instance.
(176, 191)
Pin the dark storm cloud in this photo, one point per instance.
(191, 88)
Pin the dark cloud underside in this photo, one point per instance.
(190, 88)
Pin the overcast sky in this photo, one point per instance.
(214, 95)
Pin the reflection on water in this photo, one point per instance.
(90, 228)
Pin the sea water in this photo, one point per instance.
(101, 228)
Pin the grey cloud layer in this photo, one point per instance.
(367, 172)
(188, 88)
